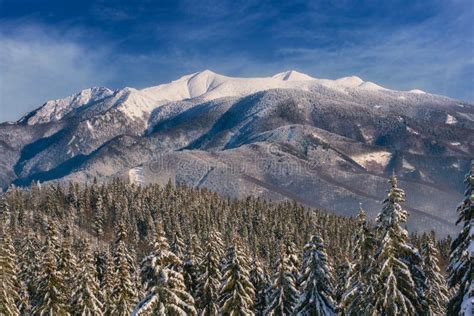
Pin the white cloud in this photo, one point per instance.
(38, 64)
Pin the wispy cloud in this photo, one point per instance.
(434, 54)
(38, 64)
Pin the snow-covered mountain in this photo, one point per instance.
(327, 143)
(206, 85)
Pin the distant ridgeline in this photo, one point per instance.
(117, 249)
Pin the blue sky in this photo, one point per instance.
(50, 48)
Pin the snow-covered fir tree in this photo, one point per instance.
(85, 300)
(177, 246)
(341, 273)
(191, 267)
(436, 294)
(358, 295)
(108, 281)
(67, 263)
(9, 283)
(100, 262)
(210, 277)
(50, 296)
(317, 289)
(461, 262)
(124, 294)
(236, 295)
(260, 282)
(99, 216)
(29, 267)
(400, 282)
(165, 289)
(283, 296)
(291, 254)
(53, 243)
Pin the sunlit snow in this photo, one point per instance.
(451, 119)
(207, 85)
(380, 157)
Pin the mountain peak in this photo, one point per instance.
(417, 91)
(351, 81)
(54, 110)
(206, 72)
(292, 75)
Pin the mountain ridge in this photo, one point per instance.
(332, 142)
(192, 86)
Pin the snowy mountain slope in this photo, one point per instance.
(209, 85)
(55, 110)
(292, 75)
(327, 143)
(188, 87)
(316, 173)
(206, 85)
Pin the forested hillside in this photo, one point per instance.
(118, 249)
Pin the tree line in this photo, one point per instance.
(120, 249)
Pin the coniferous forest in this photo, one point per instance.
(121, 249)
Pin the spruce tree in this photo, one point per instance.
(108, 282)
(166, 291)
(293, 260)
(9, 284)
(210, 278)
(460, 267)
(67, 263)
(99, 216)
(341, 273)
(51, 297)
(191, 268)
(85, 300)
(124, 295)
(400, 279)
(358, 294)
(317, 292)
(283, 296)
(177, 246)
(236, 295)
(436, 294)
(100, 263)
(260, 282)
(29, 267)
(53, 243)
